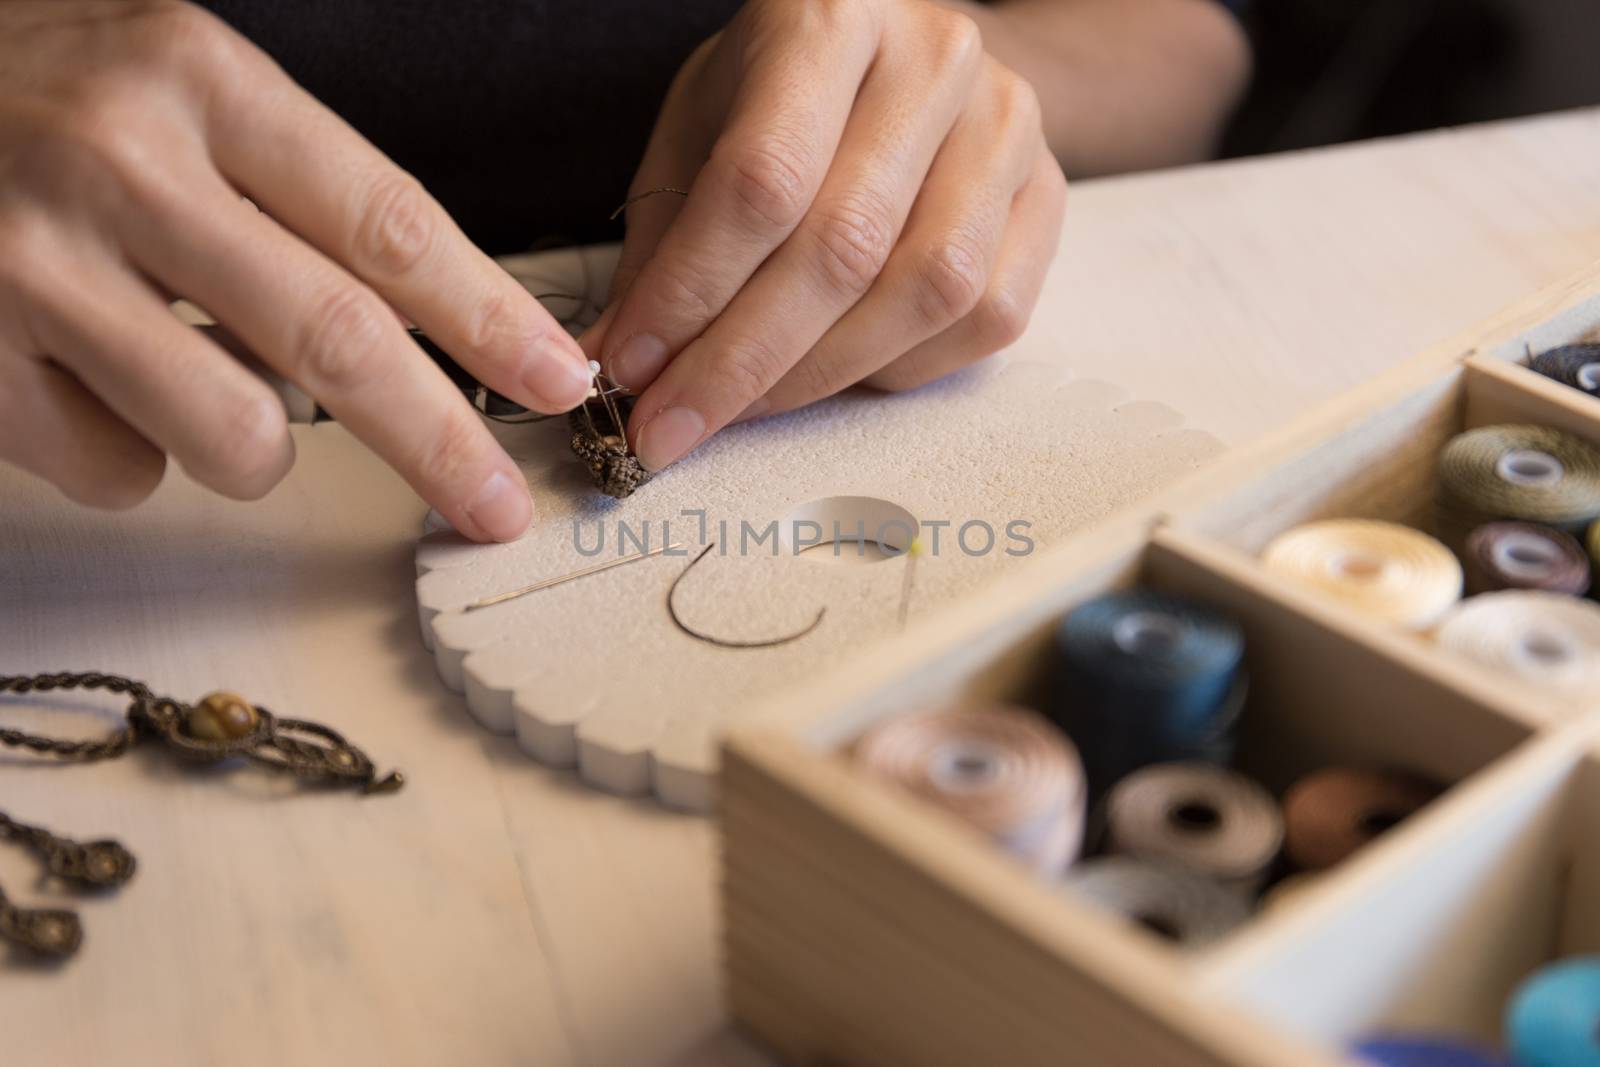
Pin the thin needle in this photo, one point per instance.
(501, 598)
(905, 585)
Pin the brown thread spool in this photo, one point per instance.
(1333, 813)
(1531, 473)
(1524, 555)
(1386, 571)
(1196, 817)
(1003, 770)
(1181, 907)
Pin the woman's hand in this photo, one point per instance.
(129, 133)
(870, 199)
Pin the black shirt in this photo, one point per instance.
(526, 118)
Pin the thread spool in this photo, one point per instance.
(1333, 813)
(1003, 770)
(1424, 1052)
(1575, 365)
(1388, 572)
(1143, 678)
(1592, 543)
(1542, 639)
(1553, 1019)
(1196, 817)
(1532, 473)
(1522, 555)
(1181, 907)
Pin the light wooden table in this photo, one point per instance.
(496, 912)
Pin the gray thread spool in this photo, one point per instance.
(1529, 473)
(1200, 818)
(1185, 909)
(1576, 365)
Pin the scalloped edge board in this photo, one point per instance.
(593, 674)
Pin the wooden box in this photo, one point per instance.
(862, 927)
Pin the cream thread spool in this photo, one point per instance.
(1546, 640)
(1198, 818)
(1532, 473)
(1333, 813)
(1388, 572)
(1524, 555)
(1003, 770)
(1181, 907)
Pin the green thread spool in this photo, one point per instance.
(1527, 473)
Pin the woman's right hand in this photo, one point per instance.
(131, 132)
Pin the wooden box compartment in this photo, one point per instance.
(1502, 881)
(865, 928)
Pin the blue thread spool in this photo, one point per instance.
(1144, 678)
(1424, 1052)
(1554, 1017)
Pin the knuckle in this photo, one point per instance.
(957, 41)
(249, 457)
(1018, 102)
(768, 181)
(681, 295)
(855, 241)
(183, 33)
(340, 346)
(396, 226)
(953, 275)
(452, 449)
(1000, 318)
(748, 366)
(492, 325)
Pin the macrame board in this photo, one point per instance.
(593, 674)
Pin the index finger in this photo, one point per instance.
(796, 86)
(318, 177)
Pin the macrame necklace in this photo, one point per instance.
(220, 726)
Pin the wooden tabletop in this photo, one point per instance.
(497, 912)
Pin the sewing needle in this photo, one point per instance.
(501, 598)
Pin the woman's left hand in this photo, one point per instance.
(870, 200)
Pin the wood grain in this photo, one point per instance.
(495, 913)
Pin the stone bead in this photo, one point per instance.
(222, 716)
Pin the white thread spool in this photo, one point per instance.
(1183, 908)
(1196, 817)
(1547, 640)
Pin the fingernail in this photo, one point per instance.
(560, 381)
(638, 361)
(502, 508)
(668, 436)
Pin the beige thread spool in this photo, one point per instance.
(1181, 907)
(1530, 473)
(1333, 813)
(1524, 555)
(1199, 818)
(1388, 572)
(1546, 640)
(1003, 770)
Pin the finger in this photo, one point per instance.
(941, 265)
(1002, 313)
(819, 274)
(339, 342)
(322, 181)
(54, 427)
(802, 64)
(221, 423)
(677, 149)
